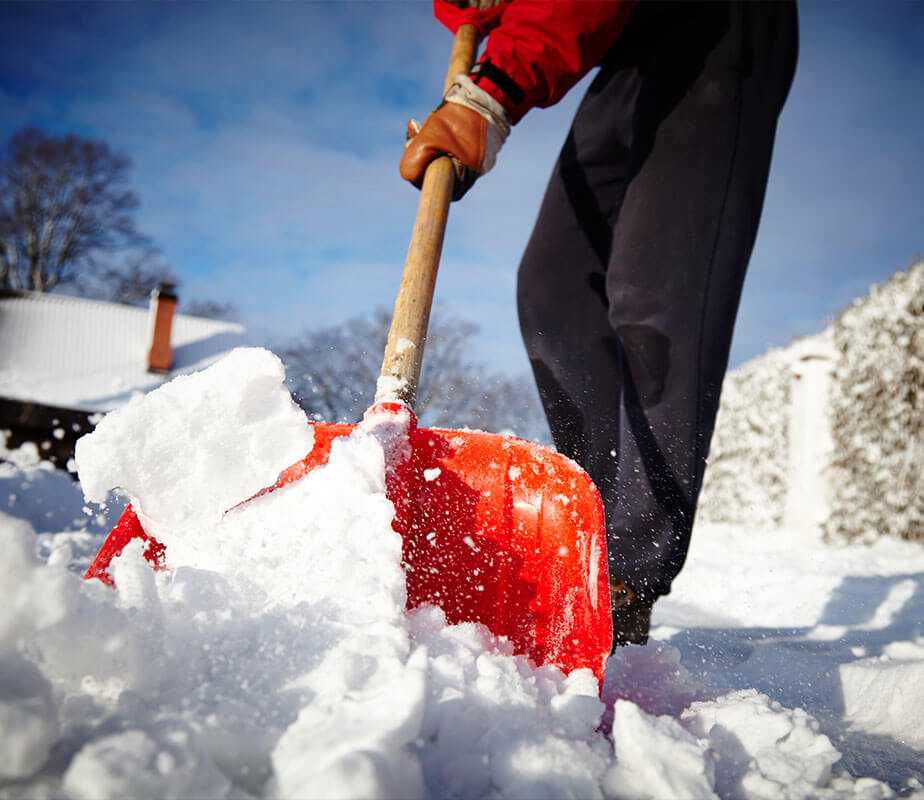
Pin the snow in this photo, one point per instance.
(33, 490)
(388, 388)
(174, 450)
(275, 657)
(879, 691)
(656, 758)
(769, 751)
(28, 718)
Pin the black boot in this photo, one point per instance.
(631, 615)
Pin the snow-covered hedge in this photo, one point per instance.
(745, 481)
(877, 413)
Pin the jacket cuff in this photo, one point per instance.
(492, 79)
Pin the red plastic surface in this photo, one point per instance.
(508, 534)
(127, 528)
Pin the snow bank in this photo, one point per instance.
(275, 658)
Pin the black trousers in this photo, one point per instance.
(630, 284)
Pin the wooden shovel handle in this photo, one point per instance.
(404, 350)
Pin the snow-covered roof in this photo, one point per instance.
(92, 355)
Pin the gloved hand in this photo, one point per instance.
(469, 125)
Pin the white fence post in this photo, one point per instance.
(808, 495)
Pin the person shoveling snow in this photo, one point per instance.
(629, 285)
(276, 656)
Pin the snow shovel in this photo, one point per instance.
(496, 530)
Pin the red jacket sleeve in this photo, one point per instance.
(541, 48)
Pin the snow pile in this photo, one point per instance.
(275, 657)
(878, 412)
(746, 478)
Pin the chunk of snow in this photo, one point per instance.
(764, 751)
(34, 596)
(198, 445)
(23, 457)
(656, 759)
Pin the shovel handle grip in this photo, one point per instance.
(408, 333)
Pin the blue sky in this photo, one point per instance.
(265, 139)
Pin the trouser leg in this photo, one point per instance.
(630, 283)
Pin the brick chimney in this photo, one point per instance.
(163, 304)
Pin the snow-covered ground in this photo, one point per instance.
(835, 630)
(276, 659)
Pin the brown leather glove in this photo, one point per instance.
(467, 127)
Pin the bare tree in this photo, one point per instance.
(63, 203)
(333, 372)
(128, 279)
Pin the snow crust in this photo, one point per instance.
(275, 657)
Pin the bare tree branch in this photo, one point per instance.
(63, 203)
(333, 371)
(211, 309)
(128, 279)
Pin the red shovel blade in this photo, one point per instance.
(496, 530)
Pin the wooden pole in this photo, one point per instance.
(408, 333)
